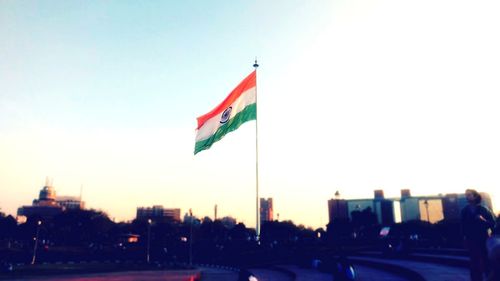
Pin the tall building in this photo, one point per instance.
(359, 205)
(384, 208)
(451, 207)
(337, 208)
(410, 208)
(266, 209)
(158, 214)
(385, 211)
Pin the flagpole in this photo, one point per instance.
(257, 219)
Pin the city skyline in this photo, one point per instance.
(447, 209)
(352, 96)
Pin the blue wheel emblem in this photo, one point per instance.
(225, 115)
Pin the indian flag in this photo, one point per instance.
(239, 107)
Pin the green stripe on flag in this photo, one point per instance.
(247, 114)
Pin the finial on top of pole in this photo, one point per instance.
(255, 64)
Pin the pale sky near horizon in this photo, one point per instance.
(353, 96)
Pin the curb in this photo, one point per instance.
(396, 269)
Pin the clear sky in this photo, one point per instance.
(353, 96)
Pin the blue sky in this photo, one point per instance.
(138, 56)
(353, 96)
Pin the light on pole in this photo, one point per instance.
(337, 203)
(149, 240)
(36, 242)
(426, 204)
(191, 238)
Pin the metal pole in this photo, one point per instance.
(191, 238)
(149, 240)
(257, 221)
(36, 242)
(427, 210)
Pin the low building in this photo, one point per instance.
(44, 207)
(426, 208)
(158, 213)
(70, 202)
(48, 205)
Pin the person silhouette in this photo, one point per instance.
(477, 224)
(493, 246)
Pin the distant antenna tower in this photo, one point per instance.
(215, 212)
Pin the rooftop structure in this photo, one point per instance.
(49, 204)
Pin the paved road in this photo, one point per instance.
(363, 274)
(270, 275)
(207, 274)
(177, 275)
(212, 274)
(305, 274)
(370, 274)
(430, 271)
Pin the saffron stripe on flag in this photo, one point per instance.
(247, 114)
(212, 125)
(247, 83)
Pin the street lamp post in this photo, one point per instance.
(337, 201)
(191, 238)
(149, 240)
(426, 203)
(36, 242)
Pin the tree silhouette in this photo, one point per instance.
(80, 228)
(7, 228)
